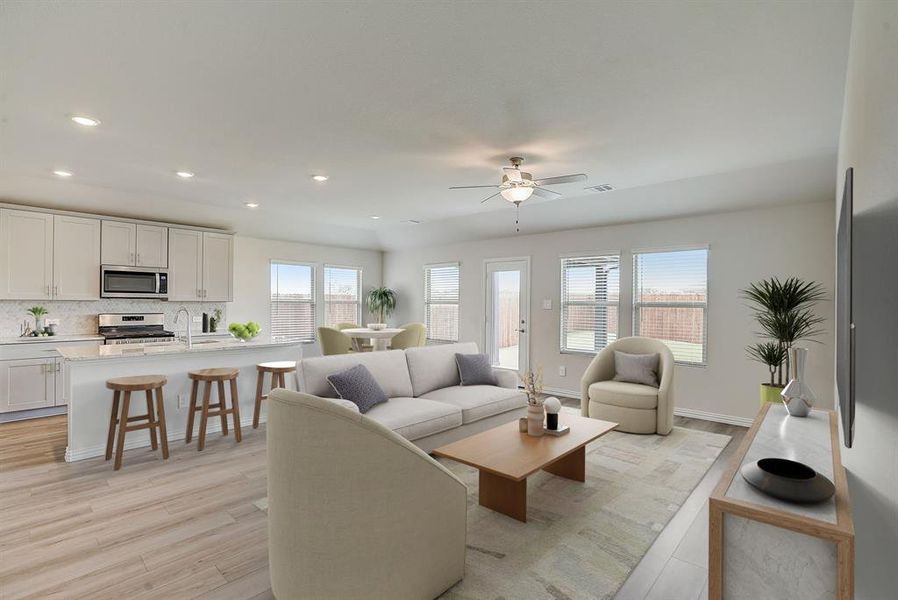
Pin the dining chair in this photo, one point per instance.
(334, 341)
(414, 334)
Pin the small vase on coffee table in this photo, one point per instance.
(535, 416)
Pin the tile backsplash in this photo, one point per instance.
(81, 317)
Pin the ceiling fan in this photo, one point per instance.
(517, 185)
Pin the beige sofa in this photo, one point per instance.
(427, 405)
(636, 408)
(355, 510)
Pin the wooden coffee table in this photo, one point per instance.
(506, 457)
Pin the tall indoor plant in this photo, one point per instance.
(784, 310)
(381, 302)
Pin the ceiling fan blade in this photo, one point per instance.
(471, 187)
(512, 173)
(544, 193)
(490, 198)
(561, 179)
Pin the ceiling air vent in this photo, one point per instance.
(602, 187)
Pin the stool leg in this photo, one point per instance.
(221, 408)
(113, 420)
(235, 407)
(260, 382)
(204, 416)
(192, 411)
(151, 417)
(122, 426)
(160, 414)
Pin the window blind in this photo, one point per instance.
(670, 301)
(590, 293)
(441, 302)
(342, 295)
(292, 302)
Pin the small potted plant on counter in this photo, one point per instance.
(38, 312)
(381, 302)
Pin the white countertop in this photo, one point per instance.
(51, 339)
(87, 353)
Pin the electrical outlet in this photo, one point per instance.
(547, 304)
(562, 371)
(182, 401)
(52, 322)
(198, 319)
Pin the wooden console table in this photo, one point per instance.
(761, 547)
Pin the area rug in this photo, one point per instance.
(581, 540)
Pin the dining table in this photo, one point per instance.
(380, 338)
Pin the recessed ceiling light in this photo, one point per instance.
(375, 217)
(85, 121)
(62, 173)
(185, 174)
(412, 221)
(251, 204)
(320, 178)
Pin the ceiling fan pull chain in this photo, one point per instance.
(517, 215)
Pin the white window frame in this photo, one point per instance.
(427, 302)
(316, 318)
(324, 301)
(704, 305)
(561, 303)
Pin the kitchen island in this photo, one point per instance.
(89, 401)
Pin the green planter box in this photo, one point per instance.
(771, 393)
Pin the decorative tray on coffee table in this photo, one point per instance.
(562, 430)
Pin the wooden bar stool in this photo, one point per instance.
(210, 376)
(277, 370)
(153, 419)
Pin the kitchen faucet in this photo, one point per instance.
(178, 318)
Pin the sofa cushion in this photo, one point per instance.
(636, 368)
(358, 385)
(388, 368)
(433, 367)
(475, 369)
(479, 401)
(414, 418)
(627, 395)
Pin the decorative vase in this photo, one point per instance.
(535, 416)
(39, 324)
(797, 395)
(771, 394)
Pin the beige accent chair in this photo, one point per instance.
(637, 408)
(334, 341)
(414, 335)
(355, 510)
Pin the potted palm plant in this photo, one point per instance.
(381, 302)
(39, 313)
(784, 311)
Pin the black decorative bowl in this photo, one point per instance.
(788, 480)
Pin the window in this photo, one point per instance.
(441, 302)
(590, 292)
(670, 301)
(292, 302)
(342, 295)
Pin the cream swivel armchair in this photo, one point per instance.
(355, 510)
(334, 341)
(413, 335)
(637, 408)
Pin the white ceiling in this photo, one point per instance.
(398, 101)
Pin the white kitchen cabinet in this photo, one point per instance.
(152, 246)
(130, 244)
(218, 259)
(27, 384)
(76, 258)
(119, 245)
(26, 255)
(200, 266)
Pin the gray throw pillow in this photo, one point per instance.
(636, 368)
(358, 385)
(475, 369)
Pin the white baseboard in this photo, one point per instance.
(36, 413)
(680, 412)
(212, 426)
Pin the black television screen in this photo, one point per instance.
(844, 320)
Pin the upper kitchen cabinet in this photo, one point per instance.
(76, 258)
(129, 244)
(200, 266)
(26, 255)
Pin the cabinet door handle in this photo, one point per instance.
(58, 367)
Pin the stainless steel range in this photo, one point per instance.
(134, 328)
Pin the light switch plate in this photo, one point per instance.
(547, 304)
(562, 371)
(182, 401)
(198, 319)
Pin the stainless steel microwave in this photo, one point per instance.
(133, 282)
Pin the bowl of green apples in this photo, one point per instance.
(245, 331)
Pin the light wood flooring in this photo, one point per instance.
(188, 528)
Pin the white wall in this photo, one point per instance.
(252, 257)
(869, 143)
(745, 246)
